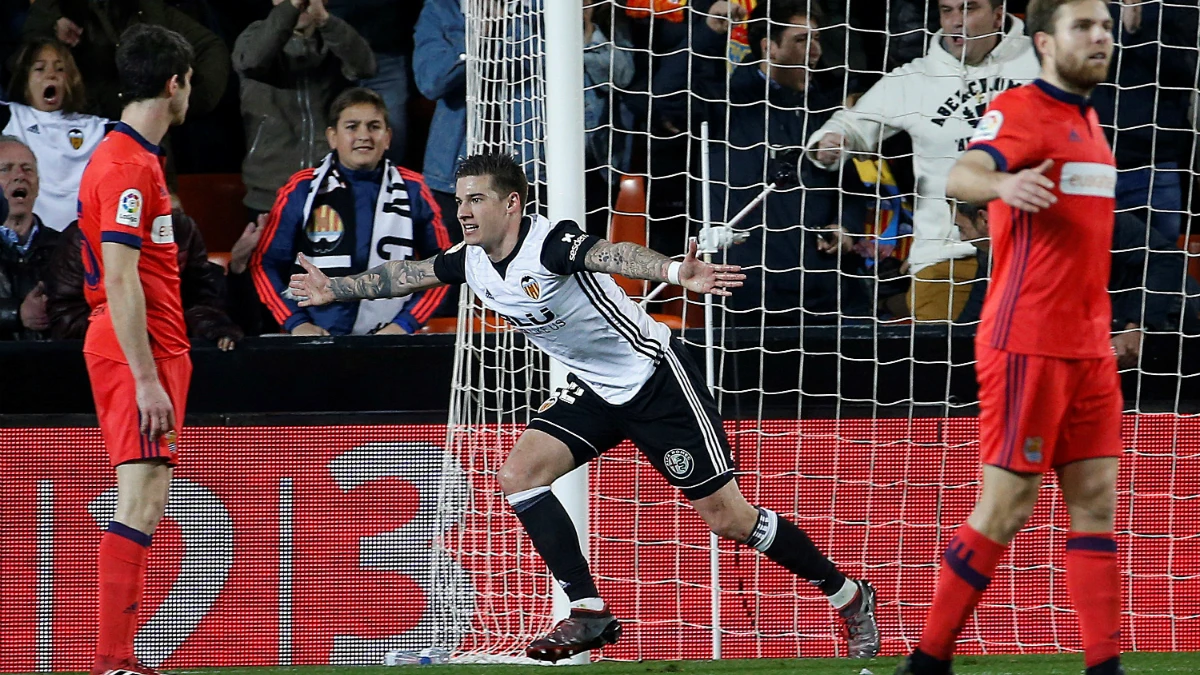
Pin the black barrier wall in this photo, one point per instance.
(887, 367)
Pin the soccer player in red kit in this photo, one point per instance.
(1049, 393)
(136, 346)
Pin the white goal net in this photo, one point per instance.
(845, 369)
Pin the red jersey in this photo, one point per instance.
(123, 199)
(1050, 270)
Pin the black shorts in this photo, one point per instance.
(672, 419)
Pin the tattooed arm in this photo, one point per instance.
(628, 260)
(389, 280)
(638, 262)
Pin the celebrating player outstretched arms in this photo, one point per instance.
(629, 379)
(1049, 394)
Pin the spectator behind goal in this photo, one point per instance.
(937, 99)
(45, 113)
(794, 273)
(355, 211)
(292, 64)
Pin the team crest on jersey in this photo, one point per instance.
(76, 138)
(129, 208)
(989, 126)
(531, 287)
(325, 229)
(679, 462)
(547, 403)
(1033, 449)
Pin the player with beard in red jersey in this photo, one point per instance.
(1049, 393)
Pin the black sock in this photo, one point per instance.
(553, 535)
(780, 540)
(1109, 667)
(924, 664)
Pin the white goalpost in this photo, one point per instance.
(564, 180)
(858, 425)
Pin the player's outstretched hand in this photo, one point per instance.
(312, 287)
(156, 412)
(701, 277)
(1030, 189)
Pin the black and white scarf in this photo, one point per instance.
(391, 236)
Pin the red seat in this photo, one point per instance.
(489, 322)
(221, 258)
(214, 201)
(629, 225)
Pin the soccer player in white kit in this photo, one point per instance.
(629, 380)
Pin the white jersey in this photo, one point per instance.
(62, 143)
(583, 319)
(937, 100)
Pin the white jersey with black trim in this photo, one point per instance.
(583, 319)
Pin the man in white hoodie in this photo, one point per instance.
(937, 99)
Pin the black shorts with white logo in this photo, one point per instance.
(673, 420)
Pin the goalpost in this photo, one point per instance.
(863, 433)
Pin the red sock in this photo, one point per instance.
(967, 568)
(1094, 581)
(122, 571)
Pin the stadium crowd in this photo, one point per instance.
(345, 119)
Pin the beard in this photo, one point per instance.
(1082, 73)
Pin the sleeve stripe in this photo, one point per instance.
(262, 284)
(440, 233)
(428, 304)
(432, 299)
(1000, 159)
(130, 240)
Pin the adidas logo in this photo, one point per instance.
(34, 130)
(488, 293)
(132, 609)
(1074, 137)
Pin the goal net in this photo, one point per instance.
(845, 368)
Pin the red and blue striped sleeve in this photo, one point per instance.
(272, 261)
(430, 237)
(124, 196)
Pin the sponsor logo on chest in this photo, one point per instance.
(1088, 179)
